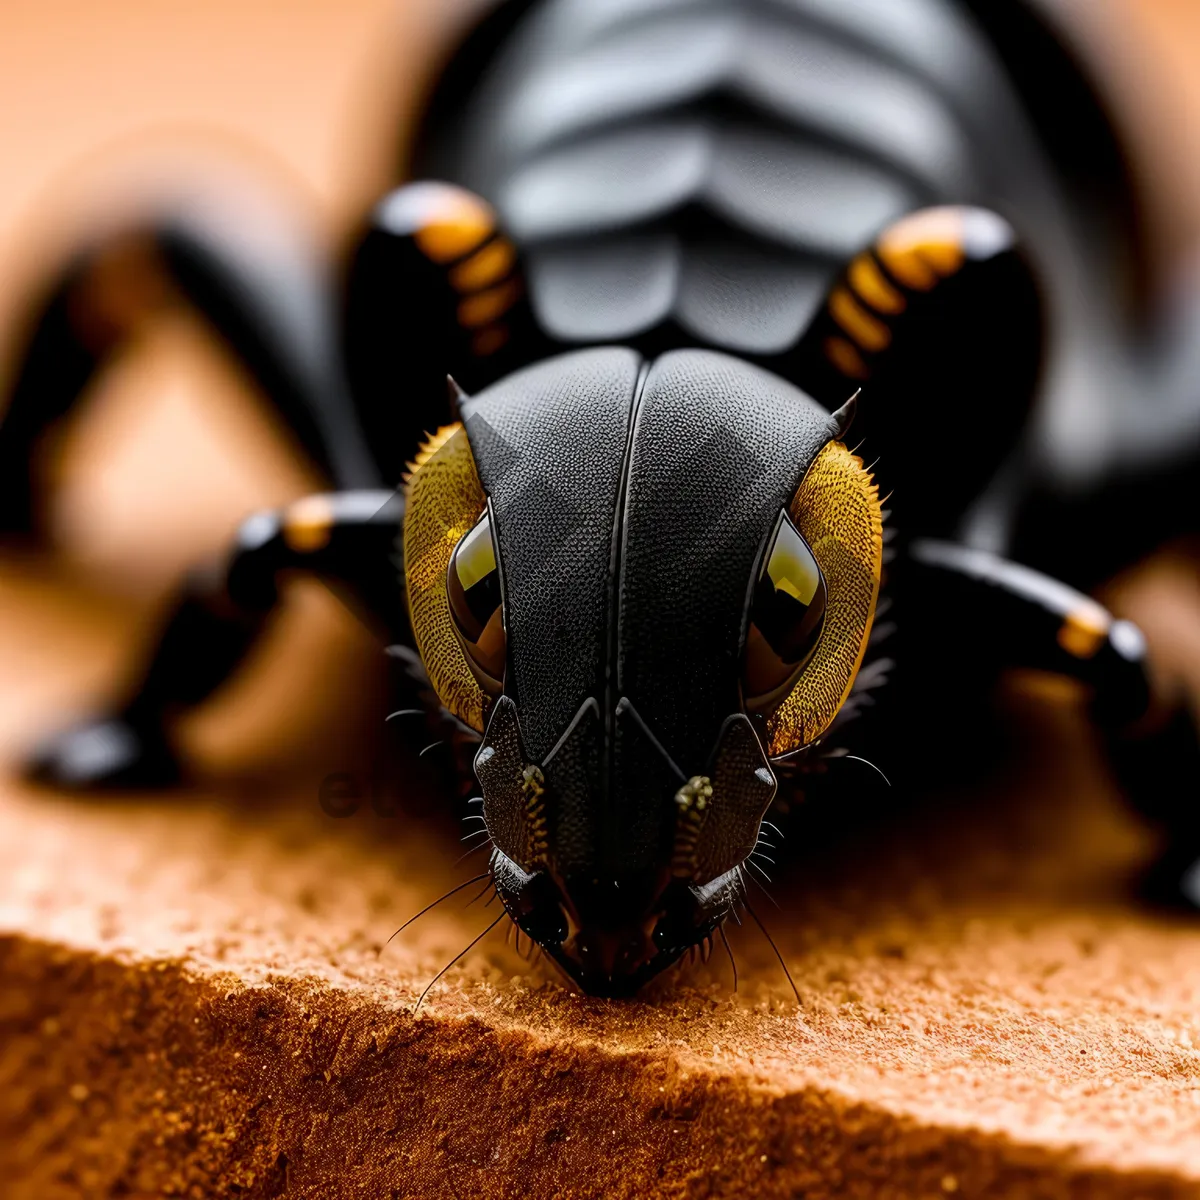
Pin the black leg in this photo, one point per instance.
(940, 323)
(270, 302)
(978, 614)
(1159, 767)
(348, 539)
(434, 289)
(988, 614)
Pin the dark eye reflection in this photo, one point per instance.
(473, 589)
(786, 616)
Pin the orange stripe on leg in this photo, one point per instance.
(923, 248)
(908, 267)
(867, 280)
(485, 307)
(871, 334)
(488, 341)
(484, 267)
(308, 524)
(846, 359)
(458, 225)
(1084, 630)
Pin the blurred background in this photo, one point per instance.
(315, 100)
(314, 97)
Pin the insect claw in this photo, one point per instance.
(455, 394)
(844, 416)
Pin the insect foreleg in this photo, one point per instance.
(347, 539)
(434, 288)
(940, 322)
(268, 298)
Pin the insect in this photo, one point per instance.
(642, 568)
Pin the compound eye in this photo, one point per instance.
(473, 590)
(786, 618)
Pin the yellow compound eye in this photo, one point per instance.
(786, 617)
(836, 514)
(473, 592)
(445, 501)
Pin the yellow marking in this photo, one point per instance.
(308, 524)
(867, 280)
(1084, 630)
(488, 341)
(908, 267)
(445, 499)
(484, 267)
(533, 784)
(846, 358)
(869, 333)
(693, 801)
(484, 307)
(460, 223)
(792, 568)
(923, 248)
(837, 511)
(476, 556)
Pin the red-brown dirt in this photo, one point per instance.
(195, 994)
(198, 1000)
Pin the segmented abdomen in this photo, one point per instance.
(681, 172)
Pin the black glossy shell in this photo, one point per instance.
(682, 172)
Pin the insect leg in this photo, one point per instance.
(1028, 620)
(1000, 614)
(434, 289)
(266, 297)
(347, 539)
(940, 323)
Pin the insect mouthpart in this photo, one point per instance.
(613, 934)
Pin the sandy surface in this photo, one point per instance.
(193, 997)
(198, 998)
